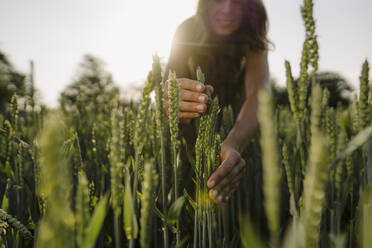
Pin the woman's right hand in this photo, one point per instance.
(193, 100)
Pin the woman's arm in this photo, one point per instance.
(192, 97)
(256, 76)
(227, 177)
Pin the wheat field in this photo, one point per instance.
(110, 173)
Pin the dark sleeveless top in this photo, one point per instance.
(222, 64)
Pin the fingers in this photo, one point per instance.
(230, 189)
(227, 196)
(192, 107)
(188, 115)
(188, 95)
(192, 85)
(188, 84)
(226, 193)
(192, 100)
(221, 192)
(223, 170)
(187, 109)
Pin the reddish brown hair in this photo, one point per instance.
(254, 27)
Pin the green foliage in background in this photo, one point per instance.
(11, 82)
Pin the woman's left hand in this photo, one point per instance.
(225, 180)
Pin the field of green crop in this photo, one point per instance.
(105, 173)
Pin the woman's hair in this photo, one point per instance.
(253, 29)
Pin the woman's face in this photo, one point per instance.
(225, 16)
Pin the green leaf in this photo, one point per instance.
(191, 201)
(183, 242)
(354, 144)
(175, 210)
(158, 213)
(369, 160)
(4, 203)
(2, 131)
(7, 169)
(96, 222)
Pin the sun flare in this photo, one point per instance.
(149, 29)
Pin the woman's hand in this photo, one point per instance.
(225, 180)
(192, 99)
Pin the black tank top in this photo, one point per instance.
(223, 66)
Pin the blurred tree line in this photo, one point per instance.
(339, 88)
(93, 88)
(11, 82)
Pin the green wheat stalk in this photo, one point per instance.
(159, 108)
(354, 111)
(15, 224)
(149, 186)
(116, 169)
(56, 228)
(290, 180)
(174, 101)
(311, 37)
(292, 90)
(330, 120)
(365, 218)
(270, 162)
(82, 208)
(325, 100)
(316, 177)
(364, 113)
(139, 135)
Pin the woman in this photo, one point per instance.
(227, 38)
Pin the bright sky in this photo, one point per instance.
(126, 33)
